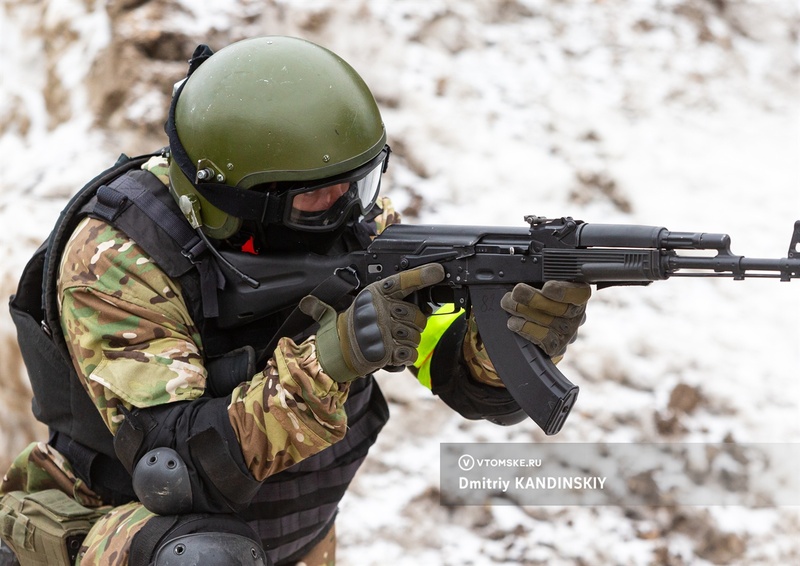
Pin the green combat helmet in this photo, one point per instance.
(258, 126)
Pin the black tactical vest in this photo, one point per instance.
(293, 509)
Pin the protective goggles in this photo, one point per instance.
(325, 205)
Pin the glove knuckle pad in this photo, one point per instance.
(399, 311)
(365, 327)
(567, 292)
(404, 355)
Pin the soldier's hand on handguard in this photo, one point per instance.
(378, 330)
(549, 317)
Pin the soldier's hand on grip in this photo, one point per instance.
(379, 329)
(549, 317)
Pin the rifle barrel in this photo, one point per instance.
(738, 267)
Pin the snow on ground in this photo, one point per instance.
(681, 113)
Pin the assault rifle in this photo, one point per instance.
(483, 263)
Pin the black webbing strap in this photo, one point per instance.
(242, 203)
(105, 476)
(147, 539)
(238, 487)
(134, 188)
(330, 291)
(128, 186)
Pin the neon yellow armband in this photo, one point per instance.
(435, 328)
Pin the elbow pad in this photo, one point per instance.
(200, 433)
(161, 482)
(226, 372)
(452, 382)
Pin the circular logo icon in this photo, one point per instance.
(466, 462)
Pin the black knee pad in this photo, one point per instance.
(178, 540)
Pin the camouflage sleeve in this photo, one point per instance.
(476, 358)
(388, 215)
(134, 344)
(289, 411)
(128, 330)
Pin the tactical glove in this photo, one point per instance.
(379, 329)
(549, 317)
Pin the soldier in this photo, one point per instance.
(182, 440)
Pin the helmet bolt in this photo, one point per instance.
(326, 158)
(220, 178)
(204, 174)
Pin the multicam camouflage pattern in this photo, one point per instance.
(158, 166)
(128, 330)
(388, 215)
(289, 411)
(109, 540)
(134, 343)
(40, 467)
(477, 359)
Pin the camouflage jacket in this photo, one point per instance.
(134, 344)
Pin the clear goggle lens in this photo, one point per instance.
(325, 207)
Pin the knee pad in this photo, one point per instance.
(183, 540)
(223, 549)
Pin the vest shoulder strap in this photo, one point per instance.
(140, 205)
(58, 394)
(67, 221)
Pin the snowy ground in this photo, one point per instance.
(681, 113)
